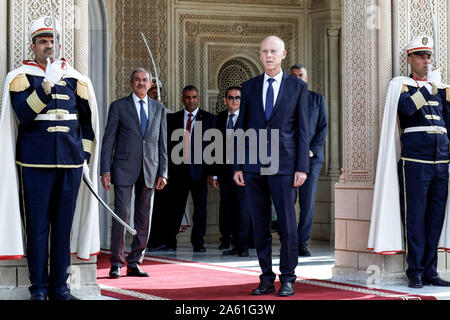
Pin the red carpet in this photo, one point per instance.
(182, 280)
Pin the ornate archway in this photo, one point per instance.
(234, 72)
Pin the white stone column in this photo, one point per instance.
(333, 33)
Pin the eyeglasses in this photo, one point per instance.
(265, 52)
(237, 98)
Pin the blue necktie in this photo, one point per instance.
(144, 119)
(269, 99)
(230, 124)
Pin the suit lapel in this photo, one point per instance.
(281, 93)
(133, 111)
(259, 92)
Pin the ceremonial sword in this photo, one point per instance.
(157, 85)
(86, 179)
(154, 66)
(55, 35)
(88, 182)
(436, 44)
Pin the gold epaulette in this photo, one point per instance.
(82, 90)
(447, 91)
(19, 84)
(405, 88)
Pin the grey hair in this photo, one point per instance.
(150, 77)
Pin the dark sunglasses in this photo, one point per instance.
(234, 98)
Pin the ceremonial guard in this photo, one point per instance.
(416, 197)
(51, 137)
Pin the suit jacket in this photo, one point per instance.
(318, 125)
(289, 117)
(221, 170)
(126, 151)
(176, 121)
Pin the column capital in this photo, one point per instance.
(334, 30)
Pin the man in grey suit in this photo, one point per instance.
(134, 153)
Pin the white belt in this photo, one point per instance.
(438, 129)
(56, 117)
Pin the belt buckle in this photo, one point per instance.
(59, 117)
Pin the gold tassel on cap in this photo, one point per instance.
(19, 84)
(82, 90)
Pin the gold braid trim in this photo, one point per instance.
(87, 145)
(405, 88)
(58, 129)
(447, 91)
(82, 90)
(35, 103)
(19, 84)
(419, 100)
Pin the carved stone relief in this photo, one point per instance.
(259, 2)
(206, 42)
(24, 12)
(360, 98)
(233, 73)
(415, 19)
(132, 18)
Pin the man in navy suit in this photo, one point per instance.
(277, 104)
(318, 127)
(234, 216)
(192, 174)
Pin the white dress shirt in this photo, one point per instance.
(276, 87)
(136, 100)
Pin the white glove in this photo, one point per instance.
(435, 76)
(54, 72)
(86, 171)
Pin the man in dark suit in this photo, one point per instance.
(234, 215)
(318, 127)
(187, 171)
(274, 103)
(134, 153)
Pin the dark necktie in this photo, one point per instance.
(144, 119)
(187, 139)
(269, 99)
(189, 123)
(229, 135)
(230, 124)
